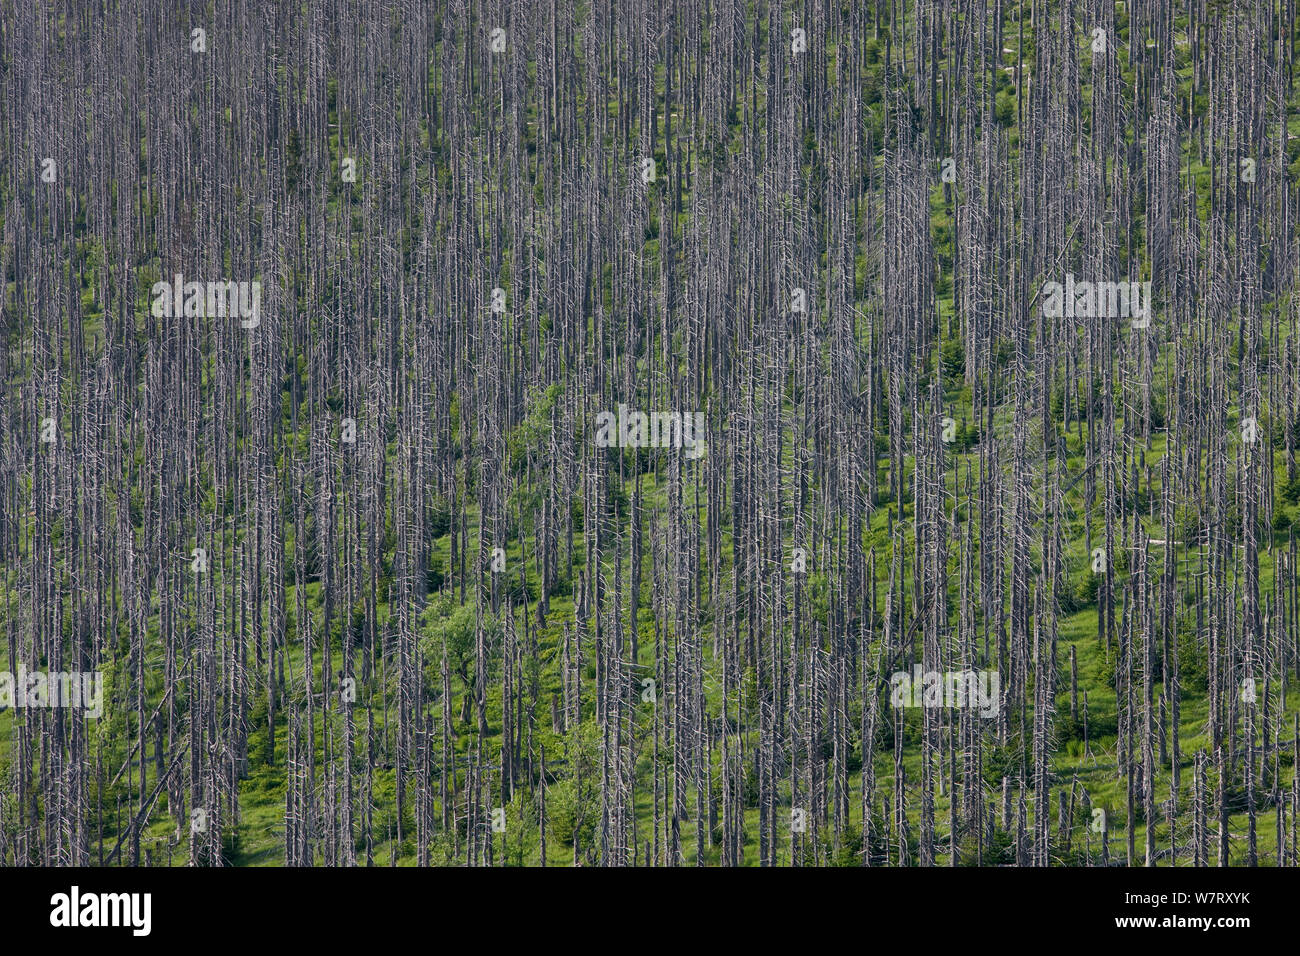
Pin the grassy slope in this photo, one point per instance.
(260, 831)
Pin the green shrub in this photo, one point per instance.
(566, 816)
(954, 359)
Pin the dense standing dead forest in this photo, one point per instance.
(704, 432)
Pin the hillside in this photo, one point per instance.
(515, 434)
